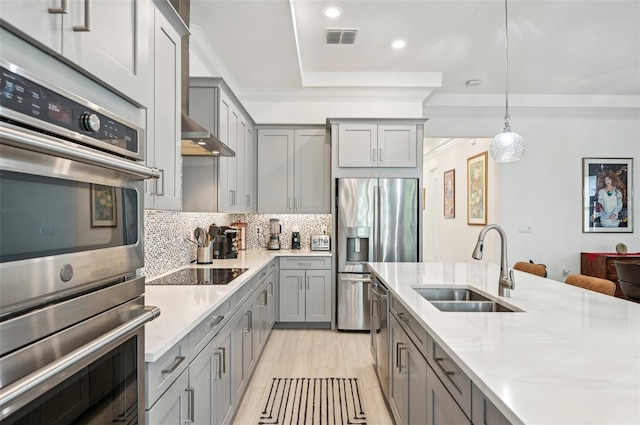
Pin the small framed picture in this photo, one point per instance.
(103, 206)
(477, 189)
(607, 195)
(450, 194)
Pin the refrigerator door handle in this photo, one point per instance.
(377, 251)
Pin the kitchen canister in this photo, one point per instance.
(204, 254)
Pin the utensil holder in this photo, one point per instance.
(204, 254)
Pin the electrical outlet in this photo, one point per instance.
(565, 271)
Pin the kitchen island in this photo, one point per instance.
(570, 356)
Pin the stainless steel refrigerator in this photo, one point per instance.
(377, 222)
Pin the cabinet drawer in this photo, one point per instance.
(305, 263)
(414, 329)
(162, 373)
(200, 336)
(241, 294)
(456, 381)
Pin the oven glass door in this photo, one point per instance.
(105, 391)
(42, 216)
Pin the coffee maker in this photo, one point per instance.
(274, 229)
(295, 240)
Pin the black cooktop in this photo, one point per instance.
(199, 276)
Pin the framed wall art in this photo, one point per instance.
(477, 189)
(103, 206)
(450, 194)
(607, 195)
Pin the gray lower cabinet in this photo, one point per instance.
(441, 407)
(202, 378)
(305, 296)
(210, 382)
(483, 411)
(172, 407)
(408, 378)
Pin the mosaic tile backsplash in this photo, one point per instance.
(166, 232)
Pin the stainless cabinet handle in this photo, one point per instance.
(403, 317)
(304, 263)
(192, 405)
(61, 9)
(288, 202)
(216, 320)
(439, 360)
(373, 155)
(248, 200)
(374, 308)
(308, 282)
(174, 365)
(224, 359)
(87, 18)
(264, 293)
(297, 199)
(250, 313)
(271, 288)
(218, 375)
(159, 182)
(379, 154)
(248, 328)
(382, 296)
(401, 369)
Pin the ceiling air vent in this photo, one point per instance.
(341, 36)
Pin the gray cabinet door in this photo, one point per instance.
(397, 146)
(398, 391)
(163, 137)
(275, 171)
(243, 352)
(357, 145)
(271, 307)
(417, 382)
(292, 296)
(249, 171)
(312, 172)
(172, 407)
(33, 19)
(223, 382)
(441, 407)
(484, 412)
(318, 296)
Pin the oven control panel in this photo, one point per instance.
(52, 109)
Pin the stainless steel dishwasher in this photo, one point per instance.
(379, 297)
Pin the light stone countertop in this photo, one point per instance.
(182, 307)
(572, 356)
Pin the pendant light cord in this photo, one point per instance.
(507, 119)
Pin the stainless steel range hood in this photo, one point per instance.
(202, 138)
(196, 140)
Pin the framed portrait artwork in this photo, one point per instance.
(607, 195)
(103, 206)
(477, 189)
(450, 194)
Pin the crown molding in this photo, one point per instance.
(523, 112)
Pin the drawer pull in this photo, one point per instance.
(216, 320)
(59, 10)
(174, 365)
(446, 372)
(304, 263)
(403, 317)
(402, 370)
(191, 404)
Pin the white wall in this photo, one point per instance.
(544, 190)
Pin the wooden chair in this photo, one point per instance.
(532, 268)
(591, 283)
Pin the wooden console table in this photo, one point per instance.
(600, 264)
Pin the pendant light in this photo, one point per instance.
(507, 146)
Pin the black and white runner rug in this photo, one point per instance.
(313, 401)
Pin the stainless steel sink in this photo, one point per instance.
(471, 306)
(461, 300)
(450, 294)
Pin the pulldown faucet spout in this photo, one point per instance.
(506, 281)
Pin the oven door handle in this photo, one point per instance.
(51, 146)
(21, 392)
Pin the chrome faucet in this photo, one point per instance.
(506, 281)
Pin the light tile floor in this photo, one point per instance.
(315, 354)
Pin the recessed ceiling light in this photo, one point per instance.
(398, 44)
(332, 11)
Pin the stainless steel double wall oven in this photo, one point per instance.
(72, 309)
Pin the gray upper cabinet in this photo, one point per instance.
(163, 129)
(229, 180)
(377, 145)
(105, 39)
(294, 171)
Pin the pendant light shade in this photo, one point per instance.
(507, 146)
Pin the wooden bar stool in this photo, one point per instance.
(532, 268)
(591, 283)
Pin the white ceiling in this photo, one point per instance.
(556, 47)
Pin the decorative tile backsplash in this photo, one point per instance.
(166, 232)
